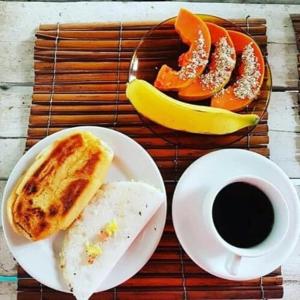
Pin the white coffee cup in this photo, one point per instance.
(275, 237)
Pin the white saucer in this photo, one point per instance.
(191, 188)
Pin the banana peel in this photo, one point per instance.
(177, 115)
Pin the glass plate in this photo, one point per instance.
(162, 45)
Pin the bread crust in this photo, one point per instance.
(58, 185)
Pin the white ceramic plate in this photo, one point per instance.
(216, 168)
(131, 161)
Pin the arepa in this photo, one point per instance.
(58, 185)
(99, 238)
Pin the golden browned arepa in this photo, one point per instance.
(58, 185)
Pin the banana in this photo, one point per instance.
(174, 114)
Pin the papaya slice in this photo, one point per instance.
(193, 32)
(221, 65)
(250, 75)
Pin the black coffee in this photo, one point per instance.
(243, 215)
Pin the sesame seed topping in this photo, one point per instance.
(247, 86)
(197, 59)
(224, 63)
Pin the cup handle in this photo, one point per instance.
(233, 263)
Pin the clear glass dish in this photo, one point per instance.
(162, 45)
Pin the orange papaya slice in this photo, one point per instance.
(221, 65)
(250, 75)
(193, 32)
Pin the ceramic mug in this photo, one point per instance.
(278, 232)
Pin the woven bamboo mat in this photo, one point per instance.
(296, 25)
(81, 72)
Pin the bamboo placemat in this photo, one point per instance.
(296, 25)
(81, 72)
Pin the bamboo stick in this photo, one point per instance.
(269, 293)
(204, 283)
(153, 142)
(107, 34)
(81, 109)
(105, 90)
(44, 81)
(65, 55)
(161, 43)
(175, 279)
(169, 164)
(176, 294)
(48, 55)
(253, 30)
(90, 71)
(80, 88)
(76, 120)
(134, 25)
(161, 153)
(140, 131)
(103, 108)
(109, 88)
(166, 155)
(100, 26)
(254, 141)
(81, 78)
(109, 76)
(126, 34)
(190, 268)
(88, 97)
(66, 98)
(111, 55)
(147, 67)
(98, 66)
(84, 120)
(115, 44)
(169, 254)
(104, 65)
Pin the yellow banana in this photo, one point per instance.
(174, 114)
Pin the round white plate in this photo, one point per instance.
(212, 169)
(131, 161)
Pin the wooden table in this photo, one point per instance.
(18, 21)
